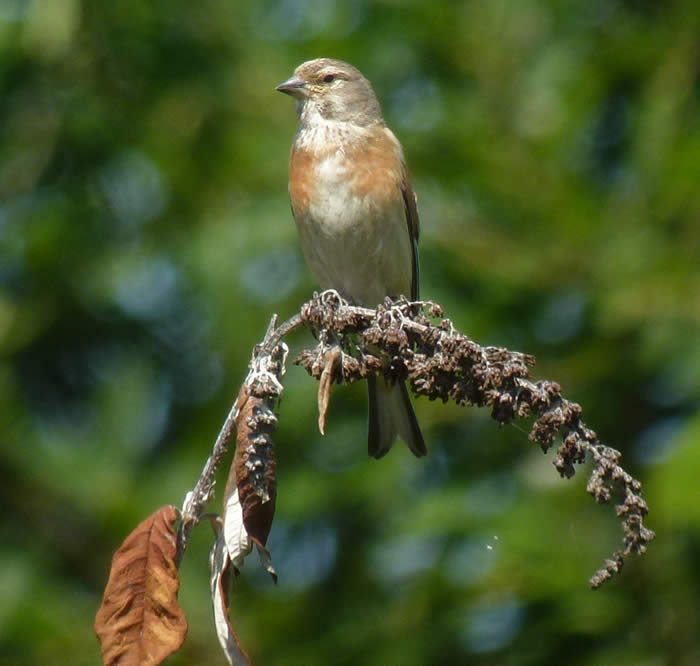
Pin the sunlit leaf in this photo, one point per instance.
(140, 621)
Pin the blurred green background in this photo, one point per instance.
(145, 240)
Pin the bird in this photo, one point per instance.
(356, 214)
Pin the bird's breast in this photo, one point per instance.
(346, 197)
(343, 176)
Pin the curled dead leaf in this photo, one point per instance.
(140, 621)
(331, 360)
(251, 489)
(235, 535)
(220, 573)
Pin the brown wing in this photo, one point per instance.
(410, 203)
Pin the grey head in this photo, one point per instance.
(332, 90)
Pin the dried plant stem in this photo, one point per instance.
(413, 341)
(198, 498)
(264, 357)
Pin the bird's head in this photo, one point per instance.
(332, 90)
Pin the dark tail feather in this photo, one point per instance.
(390, 415)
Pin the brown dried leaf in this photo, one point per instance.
(324, 386)
(140, 621)
(253, 474)
(220, 572)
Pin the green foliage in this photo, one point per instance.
(145, 239)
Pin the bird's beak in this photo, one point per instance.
(293, 86)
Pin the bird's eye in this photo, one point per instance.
(329, 78)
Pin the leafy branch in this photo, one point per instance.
(404, 341)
